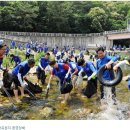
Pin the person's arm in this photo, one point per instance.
(2, 68)
(80, 72)
(112, 60)
(76, 71)
(94, 72)
(75, 68)
(119, 64)
(52, 74)
(66, 67)
(11, 59)
(40, 65)
(20, 77)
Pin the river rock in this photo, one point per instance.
(46, 111)
(81, 113)
(22, 115)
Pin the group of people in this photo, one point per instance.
(68, 67)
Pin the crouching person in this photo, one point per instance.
(62, 71)
(90, 70)
(18, 73)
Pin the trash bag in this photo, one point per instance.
(91, 88)
(66, 87)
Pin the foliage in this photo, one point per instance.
(63, 16)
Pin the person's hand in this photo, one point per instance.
(66, 76)
(108, 66)
(25, 78)
(23, 85)
(48, 86)
(79, 74)
(89, 78)
(115, 68)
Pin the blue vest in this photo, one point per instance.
(44, 63)
(107, 75)
(55, 51)
(73, 69)
(60, 72)
(16, 59)
(87, 68)
(26, 68)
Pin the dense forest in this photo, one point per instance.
(63, 16)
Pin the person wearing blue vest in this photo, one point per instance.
(18, 73)
(62, 71)
(55, 51)
(15, 59)
(108, 74)
(28, 53)
(45, 49)
(7, 51)
(89, 69)
(13, 44)
(75, 69)
(44, 62)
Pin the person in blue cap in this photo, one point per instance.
(18, 74)
(108, 74)
(62, 71)
(15, 59)
(43, 63)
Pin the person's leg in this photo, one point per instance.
(102, 91)
(79, 84)
(114, 94)
(113, 91)
(66, 97)
(43, 76)
(74, 79)
(22, 91)
(16, 95)
(38, 76)
(15, 88)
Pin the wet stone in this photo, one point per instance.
(46, 112)
(22, 115)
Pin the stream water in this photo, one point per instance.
(78, 108)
